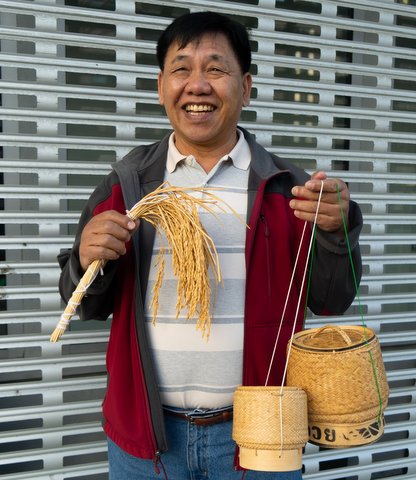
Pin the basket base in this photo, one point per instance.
(343, 436)
(271, 460)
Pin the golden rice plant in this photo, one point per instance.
(173, 211)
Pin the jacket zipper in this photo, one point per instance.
(267, 236)
(131, 192)
(156, 461)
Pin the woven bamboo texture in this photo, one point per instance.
(257, 423)
(334, 367)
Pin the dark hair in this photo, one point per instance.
(192, 26)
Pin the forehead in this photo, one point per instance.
(209, 44)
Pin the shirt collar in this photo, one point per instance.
(240, 155)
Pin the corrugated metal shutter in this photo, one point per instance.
(335, 90)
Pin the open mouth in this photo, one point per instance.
(194, 108)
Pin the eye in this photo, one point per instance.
(179, 69)
(216, 71)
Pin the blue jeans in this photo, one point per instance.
(195, 453)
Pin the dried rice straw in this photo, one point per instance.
(173, 211)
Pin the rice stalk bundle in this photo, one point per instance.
(173, 212)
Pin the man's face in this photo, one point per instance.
(203, 91)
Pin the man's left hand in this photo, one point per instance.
(329, 216)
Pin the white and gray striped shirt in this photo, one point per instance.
(192, 372)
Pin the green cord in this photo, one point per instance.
(344, 223)
(380, 398)
(310, 275)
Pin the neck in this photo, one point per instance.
(206, 155)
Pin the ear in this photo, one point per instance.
(160, 87)
(247, 84)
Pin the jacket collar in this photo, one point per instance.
(149, 172)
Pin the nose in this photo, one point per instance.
(198, 84)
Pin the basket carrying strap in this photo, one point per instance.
(334, 328)
(300, 292)
(380, 398)
(297, 310)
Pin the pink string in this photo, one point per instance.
(157, 461)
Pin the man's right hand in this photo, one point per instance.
(104, 237)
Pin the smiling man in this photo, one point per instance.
(168, 406)
(203, 89)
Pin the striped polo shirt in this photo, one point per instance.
(193, 372)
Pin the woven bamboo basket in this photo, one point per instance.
(342, 372)
(270, 426)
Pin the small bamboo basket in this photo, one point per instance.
(342, 372)
(270, 426)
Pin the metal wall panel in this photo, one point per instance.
(334, 89)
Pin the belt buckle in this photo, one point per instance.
(192, 418)
(216, 417)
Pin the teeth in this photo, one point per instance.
(199, 108)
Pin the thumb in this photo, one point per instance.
(319, 175)
(133, 225)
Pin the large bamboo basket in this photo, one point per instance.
(342, 372)
(270, 426)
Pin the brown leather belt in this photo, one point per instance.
(201, 419)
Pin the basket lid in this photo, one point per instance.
(332, 337)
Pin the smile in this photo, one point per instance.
(199, 108)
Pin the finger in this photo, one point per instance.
(114, 217)
(329, 185)
(100, 247)
(310, 207)
(97, 253)
(319, 175)
(329, 215)
(317, 179)
(112, 223)
(331, 189)
(100, 252)
(305, 195)
(321, 218)
(328, 221)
